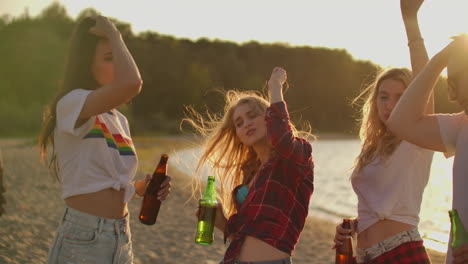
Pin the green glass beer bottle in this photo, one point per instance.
(459, 235)
(207, 214)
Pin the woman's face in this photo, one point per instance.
(250, 124)
(389, 92)
(458, 88)
(103, 67)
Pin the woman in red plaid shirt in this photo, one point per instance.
(390, 174)
(266, 174)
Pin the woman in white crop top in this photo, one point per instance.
(92, 150)
(389, 174)
(446, 133)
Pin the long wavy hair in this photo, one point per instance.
(233, 162)
(78, 74)
(376, 139)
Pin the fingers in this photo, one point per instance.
(344, 231)
(278, 77)
(148, 177)
(337, 244)
(279, 72)
(341, 235)
(165, 189)
(460, 255)
(103, 27)
(166, 182)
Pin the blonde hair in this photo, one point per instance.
(233, 162)
(376, 139)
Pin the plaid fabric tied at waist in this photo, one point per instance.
(407, 253)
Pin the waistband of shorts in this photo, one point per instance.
(95, 222)
(367, 254)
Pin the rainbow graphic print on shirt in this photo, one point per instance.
(115, 141)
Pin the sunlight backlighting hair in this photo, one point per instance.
(233, 162)
(376, 139)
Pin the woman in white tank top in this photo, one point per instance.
(389, 174)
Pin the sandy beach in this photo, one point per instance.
(34, 208)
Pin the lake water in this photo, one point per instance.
(334, 198)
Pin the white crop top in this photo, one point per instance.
(393, 188)
(97, 155)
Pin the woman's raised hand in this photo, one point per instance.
(103, 27)
(409, 8)
(275, 84)
(278, 77)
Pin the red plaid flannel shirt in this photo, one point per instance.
(276, 207)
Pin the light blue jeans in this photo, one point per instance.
(84, 238)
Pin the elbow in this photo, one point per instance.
(397, 126)
(137, 86)
(133, 87)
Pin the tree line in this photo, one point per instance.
(178, 72)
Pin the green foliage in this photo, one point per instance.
(178, 72)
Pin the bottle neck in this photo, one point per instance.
(210, 192)
(162, 166)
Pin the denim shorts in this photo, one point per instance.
(278, 261)
(85, 238)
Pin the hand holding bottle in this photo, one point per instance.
(152, 199)
(343, 233)
(208, 208)
(140, 187)
(460, 255)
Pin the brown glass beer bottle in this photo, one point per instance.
(344, 253)
(150, 204)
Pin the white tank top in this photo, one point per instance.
(393, 188)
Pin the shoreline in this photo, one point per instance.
(34, 209)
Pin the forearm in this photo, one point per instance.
(126, 74)
(418, 53)
(276, 94)
(412, 105)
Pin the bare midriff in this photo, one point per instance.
(107, 203)
(254, 249)
(380, 231)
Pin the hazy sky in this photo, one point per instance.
(368, 29)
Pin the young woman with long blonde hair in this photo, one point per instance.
(390, 174)
(266, 174)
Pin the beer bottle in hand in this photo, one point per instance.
(150, 205)
(344, 253)
(459, 235)
(207, 214)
